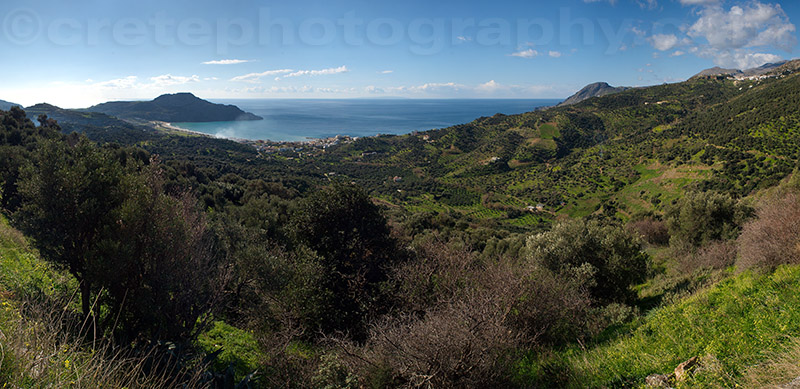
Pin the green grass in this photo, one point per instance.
(22, 272)
(548, 131)
(737, 323)
(239, 348)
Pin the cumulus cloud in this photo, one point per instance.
(752, 25)
(387, 72)
(741, 36)
(491, 86)
(664, 42)
(738, 59)
(555, 54)
(170, 80)
(227, 62)
(118, 83)
(528, 53)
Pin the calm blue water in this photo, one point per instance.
(294, 120)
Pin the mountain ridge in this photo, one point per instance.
(6, 105)
(596, 89)
(763, 70)
(178, 107)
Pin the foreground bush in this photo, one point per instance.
(703, 217)
(773, 238)
(608, 258)
(465, 320)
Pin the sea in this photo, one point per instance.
(289, 120)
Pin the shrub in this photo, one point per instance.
(773, 238)
(464, 319)
(462, 344)
(699, 218)
(350, 235)
(609, 258)
(653, 231)
(714, 255)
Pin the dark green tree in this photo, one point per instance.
(155, 263)
(701, 217)
(351, 237)
(68, 198)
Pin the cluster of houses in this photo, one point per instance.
(309, 147)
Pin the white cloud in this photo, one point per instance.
(227, 62)
(677, 53)
(555, 54)
(464, 39)
(386, 72)
(170, 80)
(738, 59)
(647, 4)
(256, 77)
(119, 83)
(753, 25)
(699, 2)
(612, 2)
(529, 53)
(742, 36)
(664, 42)
(491, 86)
(436, 86)
(328, 71)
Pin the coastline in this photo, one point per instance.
(159, 125)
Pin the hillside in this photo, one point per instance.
(179, 107)
(592, 90)
(618, 155)
(770, 68)
(97, 126)
(5, 105)
(599, 244)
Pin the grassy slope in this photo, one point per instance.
(743, 322)
(634, 151)
(38, 351)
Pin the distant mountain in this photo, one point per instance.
(97, 126)
(592, 90)
(718, 71)
(759, 71)
(5, 105)
(180, 107)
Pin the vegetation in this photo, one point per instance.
(590, 245)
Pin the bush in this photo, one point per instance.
(606, 257)
(463, 320)
(773, 238)
(714, 255)
(699, 218)
(350, 235)
(653, 231)
(462, 344)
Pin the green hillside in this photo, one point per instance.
(600, 244)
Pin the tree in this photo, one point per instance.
(699, 218)
(351, 237)
(69, 197)
(606, 256)
(156, 262)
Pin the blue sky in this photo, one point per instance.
(75, 53)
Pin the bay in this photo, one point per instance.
(301, 119)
